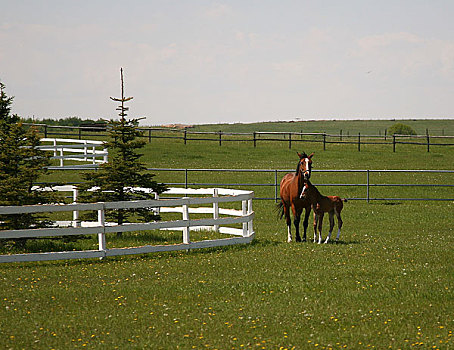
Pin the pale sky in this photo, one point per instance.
(201, 61)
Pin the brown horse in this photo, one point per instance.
(290, 192)
(323, 204)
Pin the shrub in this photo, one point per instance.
(401, 129)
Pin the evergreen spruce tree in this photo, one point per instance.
(21, 164)
(117, 179)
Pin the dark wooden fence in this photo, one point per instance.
(288, 138)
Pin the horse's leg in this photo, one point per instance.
(339, 224)
(320, 225)
(306, 221)
(288, 221)
(331, 225)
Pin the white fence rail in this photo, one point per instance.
(184, 205)
(90, 151)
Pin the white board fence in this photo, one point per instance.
(91, 151)
(185, 205)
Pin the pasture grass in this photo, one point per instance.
(388, 283)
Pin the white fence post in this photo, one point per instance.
(186, 239)
(105, 155)
(156, 210)
(216, 210)
(94, 154)
(61, 155)
(76, 220)
(85, 150)
(245, 224)
(249, 211)
(102, 235)
(55, 147)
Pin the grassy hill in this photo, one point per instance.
(365, 127)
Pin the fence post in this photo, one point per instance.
(275, 185)
(216, 210)
(61, 156)
(394, 143)
(185, 135)
(76, 220)
(368, 187)
(45, 130)
(250, 227)
(220, 138)
(102, 235)
(255, 140)
(186, 217)
(324, 141)
(55, 147)
(80, 133)
(149, 135)
(340, 134)
(428, 140)
(185, 178)
(359, 142)
(289, 140)
(94, 154)
(245, 224)
(85, 150)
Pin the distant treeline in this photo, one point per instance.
(68, 121)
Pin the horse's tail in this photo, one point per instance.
(280, 210)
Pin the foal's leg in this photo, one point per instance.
(320, 225)
(315, 226)
(331, 225)
(339, 224)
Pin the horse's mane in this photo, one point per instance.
(298, 168)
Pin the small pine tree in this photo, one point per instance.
(117, 179)
(21, 164)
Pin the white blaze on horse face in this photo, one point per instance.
(308, 171)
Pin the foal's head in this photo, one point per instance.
(304, 165)
(308, 191)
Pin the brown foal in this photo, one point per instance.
(323, 204)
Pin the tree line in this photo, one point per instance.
(66, 121)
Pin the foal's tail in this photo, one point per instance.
(280, 210)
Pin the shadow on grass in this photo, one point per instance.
(331, 242)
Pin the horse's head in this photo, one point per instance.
(305, 165)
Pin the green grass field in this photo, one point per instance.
(389, 283)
